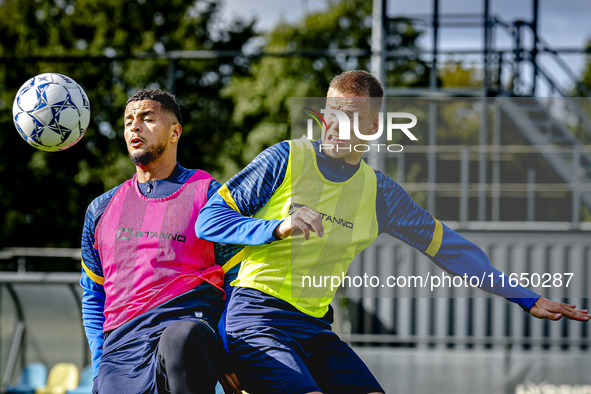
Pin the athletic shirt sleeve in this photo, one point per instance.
(402, 218)
(90, 257)
(226, 217)
(93, 319)
(213, 188)
(92, 280)
(224, 253)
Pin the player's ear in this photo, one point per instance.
(175, 132)
(375, 126)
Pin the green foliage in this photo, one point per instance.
(43, 196)
(262, 98)
(233, 108)
(454, 75)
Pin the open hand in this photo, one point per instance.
(548, 309)
(304, 219)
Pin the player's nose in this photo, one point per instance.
(136, 126)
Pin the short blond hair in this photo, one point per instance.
(359, 83)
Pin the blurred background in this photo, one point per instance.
(503, 157)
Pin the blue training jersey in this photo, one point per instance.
(227, 218)
(93, 296)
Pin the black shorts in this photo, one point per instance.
(285, 351)
(130, 362)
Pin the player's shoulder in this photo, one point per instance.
(184, 174)
(389, 190)
(279, 149)
(98, 205)
(384, 182)
(272, 157)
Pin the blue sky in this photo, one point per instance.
(562, 23)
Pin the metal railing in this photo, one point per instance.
(467, 317)
(14, 283)
(530, 188)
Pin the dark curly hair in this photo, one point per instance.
(166, 100)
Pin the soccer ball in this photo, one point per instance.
(51, 112)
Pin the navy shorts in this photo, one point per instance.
(130, 362)
(282, 350)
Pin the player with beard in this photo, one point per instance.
(308, 208)
(152, 290)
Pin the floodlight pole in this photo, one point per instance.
(433, 111)
(378, 49)
(482, 156)
(378, 40)
(433, 73)
(534, 51)
(486, 51)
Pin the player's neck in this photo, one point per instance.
(354, 160)
(351, 160)
(156, 170)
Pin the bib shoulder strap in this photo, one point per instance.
(199, 175)
(368, 170)
(301, 143)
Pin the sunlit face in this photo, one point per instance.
(148, 131)
(349, 104)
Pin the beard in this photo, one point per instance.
(143, 157)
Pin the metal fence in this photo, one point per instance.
(457, 197)
(467, 317)
(40, 314)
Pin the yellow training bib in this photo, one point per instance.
(296, 270)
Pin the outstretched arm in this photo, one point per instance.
(413, 225)
(226, 217)
(548, 309)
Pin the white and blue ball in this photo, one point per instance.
(51, 112)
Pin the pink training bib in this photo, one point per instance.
(149, 251)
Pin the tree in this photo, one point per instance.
(261, 114)
(43, 196)
(454, 75)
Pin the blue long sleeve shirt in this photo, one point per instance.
(227, 217)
